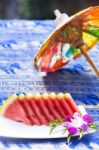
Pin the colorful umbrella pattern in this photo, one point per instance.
(77, 35)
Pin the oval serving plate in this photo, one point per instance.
(12, 129)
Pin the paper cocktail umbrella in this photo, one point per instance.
(74, 36)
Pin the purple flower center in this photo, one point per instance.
(87, 118)
(84, 127)
(72, 130)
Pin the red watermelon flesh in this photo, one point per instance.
(39, 109)
(15, 112)
(42, 106)
(66, 107)
(51, 107)
(29, 112)
(69, 100)
(57, 105)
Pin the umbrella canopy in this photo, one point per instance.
(75, 36)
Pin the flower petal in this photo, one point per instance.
(67, 124)
(87, 118)
(84, 127)
(72, 130)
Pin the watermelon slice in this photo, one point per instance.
(66, 107)
(42, 106)
(13, 110)
(38, 109)
(69, 100)
(57, 105)
(28, 109)
(50, 106)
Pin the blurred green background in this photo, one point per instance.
(41, 9)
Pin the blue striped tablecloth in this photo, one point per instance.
(19, 41)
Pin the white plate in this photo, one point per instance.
(12, 129)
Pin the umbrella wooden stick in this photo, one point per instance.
(95, 69)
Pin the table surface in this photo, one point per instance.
(19, 42)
